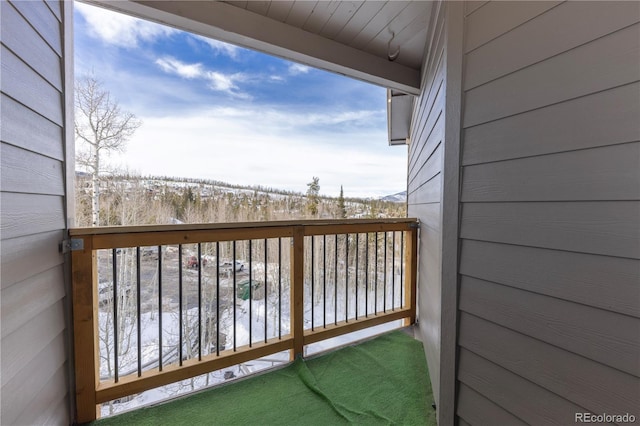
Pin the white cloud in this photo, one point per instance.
(268, 147)
(221, 82)
(296, 69)
(217, 81)
(329, 117)
(174, 66)
(220, 47)
(119, 29)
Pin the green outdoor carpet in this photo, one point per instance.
(381, 381)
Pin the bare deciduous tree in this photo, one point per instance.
(102, 127)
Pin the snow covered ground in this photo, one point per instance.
(151, 335)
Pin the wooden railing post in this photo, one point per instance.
(411, 277)
(85, 322)
(297, 291)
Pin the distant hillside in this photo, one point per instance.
(143, 200)
(181, 182)
(400, 197)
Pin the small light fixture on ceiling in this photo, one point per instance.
(392, 56)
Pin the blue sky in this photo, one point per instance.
(216, 111)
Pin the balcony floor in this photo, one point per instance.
(380, 381)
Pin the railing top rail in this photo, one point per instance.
(118, 230)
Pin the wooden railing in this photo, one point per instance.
(299, 268)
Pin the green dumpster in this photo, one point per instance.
(243, 288)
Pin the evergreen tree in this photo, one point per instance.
(313, 199)
(342, 210)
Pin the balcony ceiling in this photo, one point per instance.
(382, 42)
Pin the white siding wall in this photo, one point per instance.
(425, 190)
(548, 283)
(550, 236)
(35, 385)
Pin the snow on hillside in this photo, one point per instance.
(399, 197)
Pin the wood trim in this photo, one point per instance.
(355, 228)
(411, 278)
(233, 225)
(187, 237)
(132, 384)
(454, 39)
(85, 335)
(297, 292)
(134, 236)
(343, 327)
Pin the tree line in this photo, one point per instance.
(134, 200)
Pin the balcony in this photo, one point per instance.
(156, 305)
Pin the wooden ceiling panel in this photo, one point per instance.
(419, 23)
(343, 15)
(299, 13)
(412, 51)
(404, 27)
(362, 16)
(320, 15)
(364, 25)
(378, 24)
(240, 4)
(258, 6)
(279, 10)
